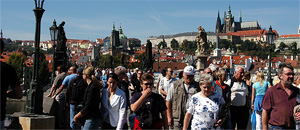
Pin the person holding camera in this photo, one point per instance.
(147, 106)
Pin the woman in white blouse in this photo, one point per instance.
(113, 105)
(204, 107)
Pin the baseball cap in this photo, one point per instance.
(162, 71)
(189, 70)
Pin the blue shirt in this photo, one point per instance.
(68, 79)
(104, 79)
(261, 90)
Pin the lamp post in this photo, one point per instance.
(34, 103)
(270, 40)
(53, 33)
(158, 56)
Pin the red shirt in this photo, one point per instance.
(280, 106)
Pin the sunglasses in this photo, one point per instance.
(148, 84)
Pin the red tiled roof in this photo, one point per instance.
(100, 41)
(289, 35)
(173, 65)
(248, 33)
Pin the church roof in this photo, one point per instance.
(249, 24)
(249, 33)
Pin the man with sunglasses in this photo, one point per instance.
(147, 106)
(280, 100)
(165, 83)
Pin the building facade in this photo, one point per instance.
(190, 36)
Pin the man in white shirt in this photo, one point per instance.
(165, 82)
(163, 74)
(239, 98)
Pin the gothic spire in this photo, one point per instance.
(114, 28)
(229, 15)
(120, 29)
(240, 16)
(1, 34)
(218, 25)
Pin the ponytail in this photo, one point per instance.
(96, 81)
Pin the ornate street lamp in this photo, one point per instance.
(158, 56)
(34, 103)
(270, 40)
(53, 33)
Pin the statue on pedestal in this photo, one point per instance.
(61, 37)
(201, 40)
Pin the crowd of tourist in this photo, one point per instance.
(91, 98)
(123, 99)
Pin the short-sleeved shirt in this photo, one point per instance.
(154, 102)
(59, 79)
(204, 110)
(68, 79)
(280, 106)
(165, 84)
(8, 78)
(239, 91)
(260, 90)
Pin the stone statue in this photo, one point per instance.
(61, 37)
(148, 56)
(122, 59)
(201, 40)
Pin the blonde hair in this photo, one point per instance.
(219, 73)
(89, 71)
(259, 77)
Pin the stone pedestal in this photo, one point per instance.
(29, 122)
(201, 62)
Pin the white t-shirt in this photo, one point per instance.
(165, 84)
(204, 110)
(239, 92)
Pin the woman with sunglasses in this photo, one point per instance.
(113, 105)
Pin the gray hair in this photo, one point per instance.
(283, 65)
(205, 78)
(238, 68)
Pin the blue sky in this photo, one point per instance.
(91, 19)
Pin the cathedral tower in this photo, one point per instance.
(218, 26)
(228, 21)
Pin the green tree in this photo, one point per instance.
(9, 40)
(224, 43)
(174, 44)
(43, 70)
(162, 45)
(17, 61)
(282, 46)
(293, 48)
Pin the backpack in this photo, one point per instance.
(77, 86)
